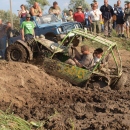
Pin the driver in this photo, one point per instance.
(36, 10)
(82, 60)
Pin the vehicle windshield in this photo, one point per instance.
(46, 19)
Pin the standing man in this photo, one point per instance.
(55, 9)
(79, 15)
(2, 39)
(107, 13)
(27, 29)
(127, 18)
(9, 32)
(119, 19)
(36, 10)
(95, 17)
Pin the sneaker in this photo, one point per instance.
(123, 36)
(119, 35)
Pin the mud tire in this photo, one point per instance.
(121, 82)
(16, 52)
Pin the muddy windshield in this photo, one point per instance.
(46, 19)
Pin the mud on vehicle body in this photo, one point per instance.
(55, 55)
(110, 74)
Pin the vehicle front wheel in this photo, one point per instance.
(120, 82)
(16, 52)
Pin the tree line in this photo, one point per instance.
(5, 15)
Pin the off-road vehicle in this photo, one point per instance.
(51, 27)
(54, 56)
(102, 75)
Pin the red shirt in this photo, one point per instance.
(79, 17)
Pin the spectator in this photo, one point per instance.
(95, 16)
(114, 16)
(55, 9)
(79, 15)
(9, 32)
(70, 16)
(64, 17)
(22, 13)
(119, 19)
(127, 18)
(87, 23)
(107, 13)
(36, 10)
(96, 3)
(2, 39)
(27, 29)
(125, 6)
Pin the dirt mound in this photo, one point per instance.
(32, 94)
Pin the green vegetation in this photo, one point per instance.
(122, 43)
(41, 2)
(5, 16)
(75, 3)
(12, 122)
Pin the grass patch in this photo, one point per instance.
(12, 122)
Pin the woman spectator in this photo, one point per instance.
(127, 18)
(22, 13)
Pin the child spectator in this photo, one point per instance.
(86, 18)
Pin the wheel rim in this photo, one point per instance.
(15, 55)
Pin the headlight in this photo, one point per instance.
(60, 29)
(52, 47)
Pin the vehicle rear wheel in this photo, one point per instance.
(120, 83)
(16, 52)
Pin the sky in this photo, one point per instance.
(5, 4)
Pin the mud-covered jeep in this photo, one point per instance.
(108, 74)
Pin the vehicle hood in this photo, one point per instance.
(55, 24)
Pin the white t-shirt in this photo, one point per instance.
(95, 15)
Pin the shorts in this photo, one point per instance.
(127, 23)
(120, 21)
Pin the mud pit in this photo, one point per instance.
(34, 95)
